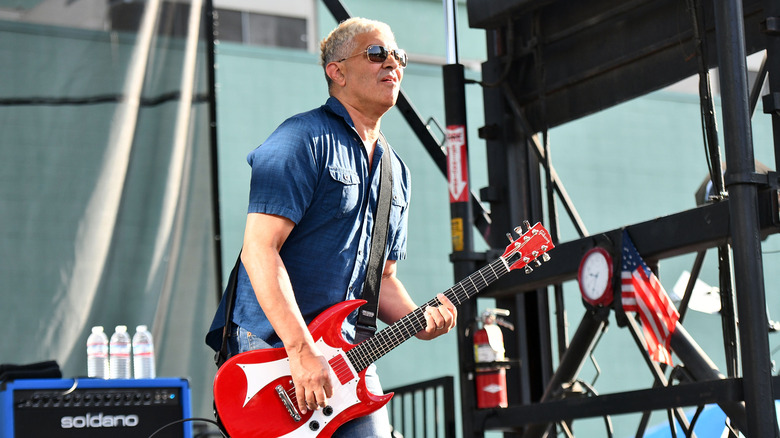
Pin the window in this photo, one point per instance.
(261, 29)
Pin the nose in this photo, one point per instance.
(396, 64)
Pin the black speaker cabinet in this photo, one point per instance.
(65, 408)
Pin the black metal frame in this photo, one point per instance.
(549, 63)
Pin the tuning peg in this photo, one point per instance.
(546, 257)
(519, 231)
(528, 269)
(527, 225)
(509, 236)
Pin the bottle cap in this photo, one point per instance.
(97, 329)
(140, 328)
(121, 328)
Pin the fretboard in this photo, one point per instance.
(394, 335)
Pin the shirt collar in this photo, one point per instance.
(336, 107)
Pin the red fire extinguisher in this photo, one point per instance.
(491, 362)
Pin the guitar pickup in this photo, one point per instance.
(287, 403)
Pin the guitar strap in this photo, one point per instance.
(366, 321)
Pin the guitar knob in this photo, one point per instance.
(327, 410)
(314, 425)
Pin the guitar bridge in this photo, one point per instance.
(288, 403)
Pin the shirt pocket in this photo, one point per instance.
(342, 193)
(397, 206)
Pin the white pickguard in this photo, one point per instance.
(259, 375)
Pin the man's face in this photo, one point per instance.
(373, 85)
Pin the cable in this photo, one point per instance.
(172, 423)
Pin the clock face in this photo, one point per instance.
(595, 276)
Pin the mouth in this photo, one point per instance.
(390, 78)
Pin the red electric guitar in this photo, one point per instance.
(253, 391)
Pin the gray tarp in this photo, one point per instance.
(105, 190)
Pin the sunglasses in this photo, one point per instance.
(376, 53)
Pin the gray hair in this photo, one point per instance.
(341, 40)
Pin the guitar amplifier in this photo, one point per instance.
(65, 408)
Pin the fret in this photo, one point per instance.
(464, 290)
(484, 280)
(454, 295)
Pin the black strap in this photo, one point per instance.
(366, 322)
(230, 291)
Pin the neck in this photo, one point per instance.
(365, 119)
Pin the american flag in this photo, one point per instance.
(644, 294)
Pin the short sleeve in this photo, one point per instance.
(284, 172)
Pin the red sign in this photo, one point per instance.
(457, 164)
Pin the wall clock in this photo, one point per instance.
(595, 277)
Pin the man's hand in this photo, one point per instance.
(440, 319)
(311, 376)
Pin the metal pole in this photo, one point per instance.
(461, 217)
(742, 188)
(208, 18)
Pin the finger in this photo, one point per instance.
(323, 393)
(300, 395)
(430, 323)
(328, 389)
(320, 399)
(445, 301)
(449, 311)
(435, 318)
(311, 400)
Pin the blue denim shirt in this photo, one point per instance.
(314, 171)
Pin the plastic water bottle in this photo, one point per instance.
(97, 353)
(143, 354)
(119, 350)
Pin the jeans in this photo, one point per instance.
(374, 425)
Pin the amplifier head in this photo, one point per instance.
(94, 408)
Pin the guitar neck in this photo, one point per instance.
(394, 335)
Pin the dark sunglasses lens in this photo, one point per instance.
(379, 54)
(376, 53)
(401, 57)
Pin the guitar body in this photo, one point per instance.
(254, 396)
(253, 391)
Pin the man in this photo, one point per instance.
(308, 232)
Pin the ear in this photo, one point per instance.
(335, 71)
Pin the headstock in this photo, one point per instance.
(532, 244)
